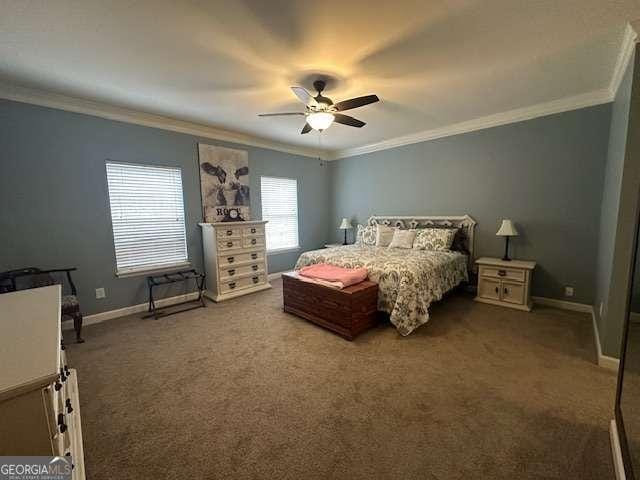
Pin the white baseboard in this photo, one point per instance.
(142, 307)
(563, 304)
(616, 452)
(605, 361)
(123, 312)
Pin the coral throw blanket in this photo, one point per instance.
(334, 276)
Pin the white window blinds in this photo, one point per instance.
(280, 209)
(147, 213)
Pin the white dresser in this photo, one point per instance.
(505, 283)
(39, 402)
(235, 259)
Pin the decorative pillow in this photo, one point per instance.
(437, 239)
(366, 235)
(384, 235)
(403, 239)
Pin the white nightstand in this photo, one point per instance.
(503, 283)
(332, 245)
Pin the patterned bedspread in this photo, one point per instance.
(408, 279)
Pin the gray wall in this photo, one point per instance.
(627, 215)
(545, 174)
(610, 322)
(55, 209)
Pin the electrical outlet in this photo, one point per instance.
(100, 293)
(568, 291)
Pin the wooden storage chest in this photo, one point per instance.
(347, 312)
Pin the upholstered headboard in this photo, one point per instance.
(464, 223)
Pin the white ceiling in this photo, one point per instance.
(220, 63)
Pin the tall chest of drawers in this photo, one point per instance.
(235, 259)
(39, 402)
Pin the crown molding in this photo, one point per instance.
(111, 112)
(624, 56)
(576, 102)
(44, 98)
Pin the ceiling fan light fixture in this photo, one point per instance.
(320, 120)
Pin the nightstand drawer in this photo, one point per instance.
(513, 293)
(488, 288)
(503, 273)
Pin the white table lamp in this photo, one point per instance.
(507, 229)
(345, 225)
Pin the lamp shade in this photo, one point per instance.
(507, 229)
(345, 225)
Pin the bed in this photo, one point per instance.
(409, 280)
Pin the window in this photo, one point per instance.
(147, 213)
(280, 209)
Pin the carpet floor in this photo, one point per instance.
(242, 390)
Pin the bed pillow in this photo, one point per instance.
(436, 239)
(402, 239)
(366, 235)
(384, 235)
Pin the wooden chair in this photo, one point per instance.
(32, 277)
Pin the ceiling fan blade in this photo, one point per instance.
(279, 114)
(347, 120)
(306, 129)
(304, 96)
(355, 102)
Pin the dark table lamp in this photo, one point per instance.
(345, 225)
(507, 230)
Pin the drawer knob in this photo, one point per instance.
(497, 290)
(229, 232)
(232, 285)
(63, 377)
(230, 259)
(253, 230)
(66, 371)
(229, 244)
(502, 273)
(253, 241)
(61, 424)
(57, 386)
(254, 256)
(254, 267)
(68, 405)
(255, 279)
(232, 271)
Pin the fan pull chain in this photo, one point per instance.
(320, 148)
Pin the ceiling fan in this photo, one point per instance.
(321, 112)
